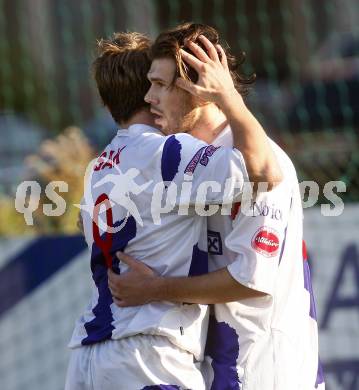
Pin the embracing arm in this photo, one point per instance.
(214, 287)
(140, 285)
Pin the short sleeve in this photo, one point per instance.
(258, 238)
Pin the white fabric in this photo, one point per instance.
(277, 337)
(132, 363)
(169, 247)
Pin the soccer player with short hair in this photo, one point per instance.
(263, 334)
(159, 344)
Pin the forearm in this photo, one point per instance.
(251, 140)
(215, 287)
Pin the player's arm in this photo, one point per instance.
(215, 84)
(257, 238)
(141, 285)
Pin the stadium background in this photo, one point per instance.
(305, 54)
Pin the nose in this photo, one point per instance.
(150, 97)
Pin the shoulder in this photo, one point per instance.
(177, 149)
(187, 151)
(181, 146)
(185, 140)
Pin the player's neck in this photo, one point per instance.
(143, 117)
(210, 122)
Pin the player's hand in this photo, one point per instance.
(214, 83)
(134, 287)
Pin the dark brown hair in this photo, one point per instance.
(169, 43)
(120, 71)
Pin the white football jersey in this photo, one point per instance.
(139, 198)
(269, 342)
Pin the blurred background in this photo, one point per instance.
(305, 54)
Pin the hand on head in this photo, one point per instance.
(214, 79)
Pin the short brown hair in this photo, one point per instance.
(169, 43)
(120, 71)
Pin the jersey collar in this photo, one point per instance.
(224, 138)
(139, 128)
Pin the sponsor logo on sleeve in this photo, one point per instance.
(202, 157)
(266, 241)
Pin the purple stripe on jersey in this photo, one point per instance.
(223, 347)
(285, 235)
(320, 375)
(308, 287)
(312, 310)
(283, 244)
(162, 387)
(100, 328)
(199, 262)
(171, 158)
